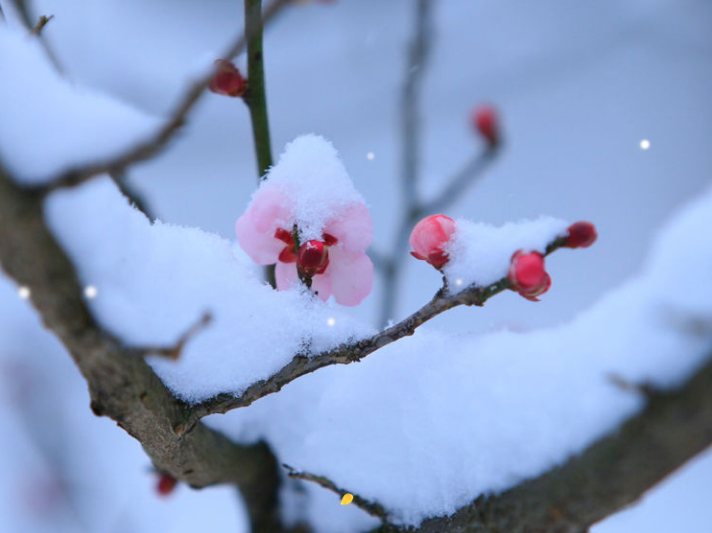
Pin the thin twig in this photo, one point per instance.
(350, 353)
(41, 23)
(134, 197)
(148, 148)
(456, 185)
(371, 508)
(174, 352)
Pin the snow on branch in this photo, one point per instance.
(104, 131)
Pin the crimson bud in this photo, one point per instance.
(227, 80)
(166, 484)
(527, 274)
(313, 258)
(486, 122)
(581, 235)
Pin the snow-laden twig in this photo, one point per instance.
(609, 475)
(371, 508)
(303, 364)
(148, 148)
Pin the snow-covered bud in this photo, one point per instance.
(227, 79)
(313, 258)
(166, 484)
(527, 274)
(429, 237)
(485, 121)
(581, 235)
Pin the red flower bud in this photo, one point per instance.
(581, 235)
(166, 484)
(484, 120)
(429, 238)
(227, 79)
(527, 274)
(313, 258)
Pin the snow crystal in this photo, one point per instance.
(49, 125)
(315, 181)
(429, 423)
(480, 253)
(154, 281)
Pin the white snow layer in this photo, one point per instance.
(154, 281)
(315, 183)
(49, 125)
(480, 253)
(428, 423)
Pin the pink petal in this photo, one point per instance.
(321, 284)
(353, 228)
(255, 228)
(286, 275)
(270, 210)
(351, 275)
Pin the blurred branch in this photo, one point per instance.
(174, 352)
(457, 184)
(373, 509)
(134, 197)
(418, 53)
(149, 147)
(346, 354)
(391, 267)
(609, 475)
(41, 23)
(122, 385)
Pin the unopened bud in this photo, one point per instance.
(227, 80)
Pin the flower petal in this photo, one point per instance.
(255, 228)
(351, 276)
(286, 275)
(321, 284)
(352, 227)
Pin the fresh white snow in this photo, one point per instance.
(55, 125)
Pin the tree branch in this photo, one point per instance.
(121, 384)
(350, 353)
(149, 147)
(371, 508)
(456, 185)
(609, 475)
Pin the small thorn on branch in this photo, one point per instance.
(41, 23)
(174, 352)
(371, 508)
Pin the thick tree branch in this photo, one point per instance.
(149, 147)
(610, 474)
(371, 508)
(121, 384)
(354, 352)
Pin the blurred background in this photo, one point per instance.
(578, 86)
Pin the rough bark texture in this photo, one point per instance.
(121, 384)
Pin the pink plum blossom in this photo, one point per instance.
(336, 263)
(429, 237)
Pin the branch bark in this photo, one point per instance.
(612, 473)
(121, 384)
